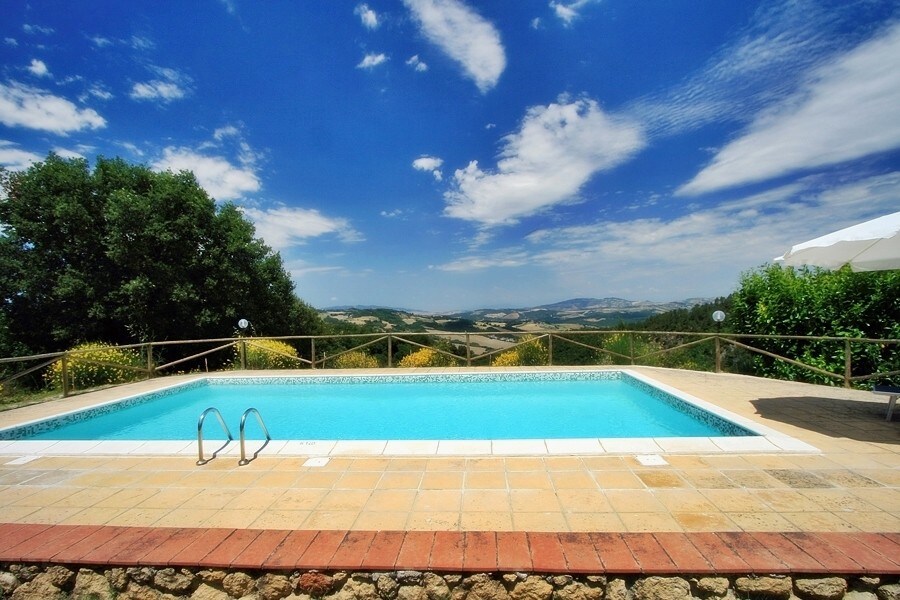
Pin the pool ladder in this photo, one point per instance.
(244, 460)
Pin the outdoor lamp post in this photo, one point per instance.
(718, 316)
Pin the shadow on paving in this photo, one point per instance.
(840, 418)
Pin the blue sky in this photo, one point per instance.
(452, 154)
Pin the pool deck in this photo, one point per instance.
(840, 487)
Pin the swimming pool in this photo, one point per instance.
(482, 406)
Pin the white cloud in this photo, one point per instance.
(67, 152)
(24, 106)
(97, 91)
(850, 108)
(172, 85)
(368, 16)
(464, 36)
(37, 29)
(15, 159)
(371, 61)
(284, 227)
(429, 164)
(536, 23)
(140, 43)
(218, 176)
(38, 68)
(100, 41)
(416, 63)
(568, 11)
(556, 150)
(227, 131)
(10, 41)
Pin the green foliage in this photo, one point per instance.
(530, 353)
(125, 254)
(354, 360)
(427, 357)
(809, 302)
(266, 354)
(95, 364)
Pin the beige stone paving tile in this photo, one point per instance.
(787, 500)
(338, 463)
(873, 522)
(887, 477)
(277, 479)
(369, 464)
(563, 463)
(56, 462)
(753, 479)
(812, 461)
(216, 498)
(11, 494)
(46, 496)
(762, 521)
(604, 463)
(538, 480)
(445, 464)
(232, 517)
(580, 501)
(404, 480)
(50, 514)
(485, 501)
(169, 498)
(185, 517)
(572, 480)
(298, 499)
(490, 463)
(617, 480)
(433, 521)
(486, 521)
(93, 516)
(442, 480)
(726, 461)
(684, 500)
(704, 521)
(437, 501)
(86, 497)
(104, 479)
(847, 478)
(318, 479)
(202, 479)
(485, 480)
(138, 517)
(595, 522)
(534, 501)
(769, 461)
(421, 464)
(14, 514)
(539, 521)
(659, 478)
(344, 500)
(358, 480)
(515, 463)
(293, 464)
(884, 498)
(239, 479)
(52, 478)
(390, 500)
(837, 500)
(163, 478)
(643, 501)
(857, 461)
(736, 500)
(381, 520)
(649, 522)
(706, 479)
(252, 498)
(123, 463)
(169, 463)
(280, 519)
(18, 476)
(686, 461)
(818, 521)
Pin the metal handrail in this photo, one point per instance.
(262, 425)
(214, 410)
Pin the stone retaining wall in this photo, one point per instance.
(46, 582)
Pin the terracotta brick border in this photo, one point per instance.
(459, 552)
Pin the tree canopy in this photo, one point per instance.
(124, 254)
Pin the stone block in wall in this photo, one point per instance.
(824, 588)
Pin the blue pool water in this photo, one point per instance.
(400, 408)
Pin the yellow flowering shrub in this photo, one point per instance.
(355, 360)
(427, 357)
(267, 354)
(94, 364)
(531, 353)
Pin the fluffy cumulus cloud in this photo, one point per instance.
(370, 61)
(283, 227)
(556, 150)
(222, 179)
(38, 68)
(14, 158)
(168, 86)
(416, 63)
(849, 109)
(429, 164)
(569, 11)
(368, 16)
(24, 106)
(464, 36)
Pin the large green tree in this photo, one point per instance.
(124, 254)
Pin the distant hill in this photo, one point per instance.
(577, 313)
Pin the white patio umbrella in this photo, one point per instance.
(870, 246)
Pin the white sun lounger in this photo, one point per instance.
(892, 392)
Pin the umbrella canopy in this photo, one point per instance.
(870, 246)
